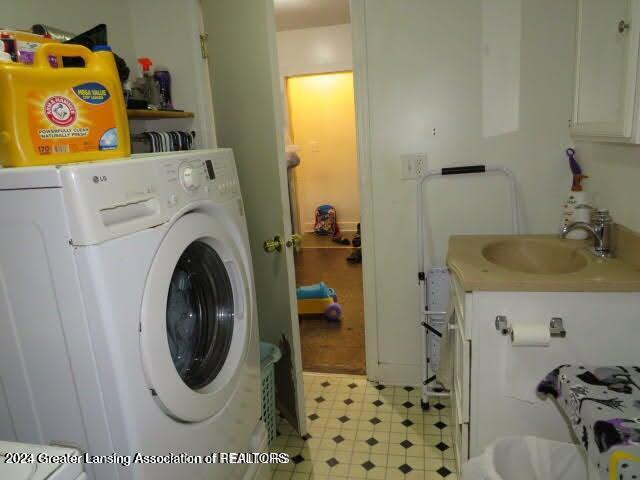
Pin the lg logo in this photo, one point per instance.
(99, 178)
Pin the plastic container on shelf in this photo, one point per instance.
(54, 115)
(162, 77)
(269, 355)
(22, 45)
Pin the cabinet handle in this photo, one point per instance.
(623, 26)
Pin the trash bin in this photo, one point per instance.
(269, 355)
(528, 458)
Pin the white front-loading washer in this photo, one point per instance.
(134, 313)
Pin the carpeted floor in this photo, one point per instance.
(332, 347)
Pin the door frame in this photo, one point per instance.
(361, 97)
(358, 68)
(367, 217)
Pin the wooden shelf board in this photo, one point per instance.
(156, 114)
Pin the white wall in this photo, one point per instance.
(429, 62)
(614, 179)
(169, 36)
(75, 16)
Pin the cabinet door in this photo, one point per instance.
(459, 434)
(606, 69)
(461, 369)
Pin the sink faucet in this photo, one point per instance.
(600, 231)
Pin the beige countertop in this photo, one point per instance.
(475, 272)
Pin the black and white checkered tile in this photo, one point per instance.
(361, 430)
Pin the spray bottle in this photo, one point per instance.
(147, 84)
(576, 208)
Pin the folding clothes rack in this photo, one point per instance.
(434, 283)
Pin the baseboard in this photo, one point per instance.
(344, 227)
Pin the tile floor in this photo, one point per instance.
(361, 430)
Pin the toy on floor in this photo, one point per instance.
(319, 299)
(326, 221)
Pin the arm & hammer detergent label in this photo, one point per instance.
(78, 119)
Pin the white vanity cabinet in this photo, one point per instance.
(494, 384)
(606, 106)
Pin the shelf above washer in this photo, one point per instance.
(140, 114)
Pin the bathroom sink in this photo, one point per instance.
(534, 256)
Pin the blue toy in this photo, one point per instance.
(319, 299)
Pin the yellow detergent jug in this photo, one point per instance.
(52, 115)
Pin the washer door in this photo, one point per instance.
(194, 327)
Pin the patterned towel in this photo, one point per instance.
(603, 406)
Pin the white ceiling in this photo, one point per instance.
(294, 14)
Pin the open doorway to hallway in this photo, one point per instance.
(320, 134)
(325, 197)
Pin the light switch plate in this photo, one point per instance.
(413, 165)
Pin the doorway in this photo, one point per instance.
(325, 201)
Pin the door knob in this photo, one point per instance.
(623, 26)
(273, 245)
(295, 241)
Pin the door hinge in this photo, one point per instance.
(203, 45)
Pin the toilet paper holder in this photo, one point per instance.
(556, 326)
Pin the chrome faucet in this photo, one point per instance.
(600, 230)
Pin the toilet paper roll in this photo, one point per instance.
(530, 336)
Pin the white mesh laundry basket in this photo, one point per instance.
(269, 355)
(527, 458)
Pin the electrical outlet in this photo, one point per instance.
(413, 165)
(421, 164)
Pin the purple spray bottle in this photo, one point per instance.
(163, 78)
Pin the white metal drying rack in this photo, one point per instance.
(429, 383)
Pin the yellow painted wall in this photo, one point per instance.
(322, 123)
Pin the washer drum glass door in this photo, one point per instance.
(199, 315)
(194, 326)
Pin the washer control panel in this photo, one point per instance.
(192, 175)
(114, 198)
(212, 174)
(225, 185)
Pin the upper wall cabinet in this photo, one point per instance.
(606, 90)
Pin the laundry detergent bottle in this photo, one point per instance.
(55, 115)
